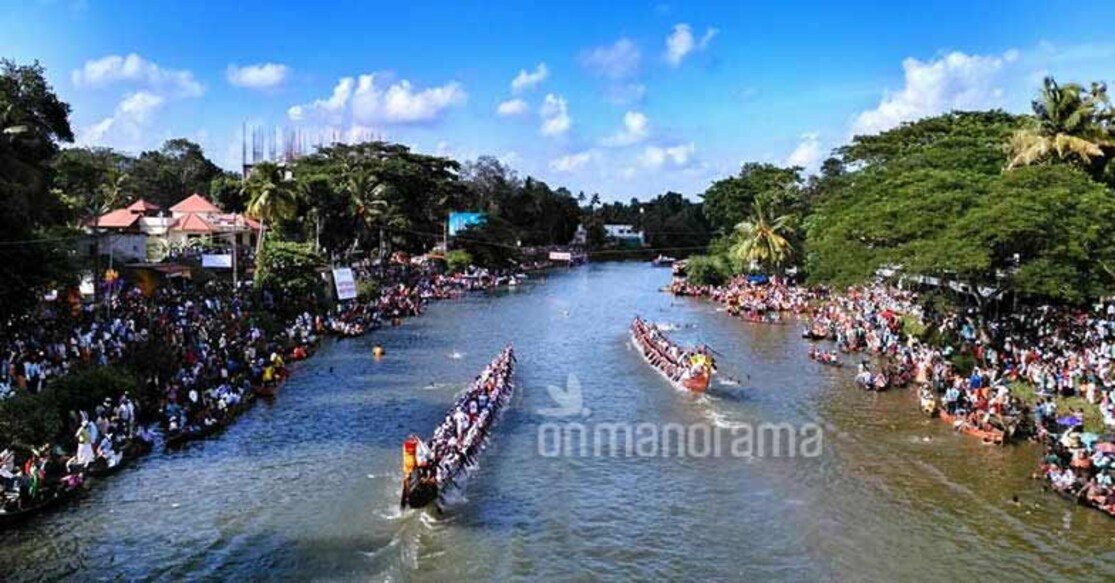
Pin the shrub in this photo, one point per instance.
(458, 260)
(708, 270)
(29, 420)
(85, 389)
(367, 290)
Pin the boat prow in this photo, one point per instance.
(685, 369)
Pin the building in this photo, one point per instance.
(580, 237)
(624, 235)
(141, 232)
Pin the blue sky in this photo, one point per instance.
(621, 98)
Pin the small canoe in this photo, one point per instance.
(989, 436)
(135, 448)
(52, 500)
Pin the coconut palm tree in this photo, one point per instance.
(1072, 125)
(368, 196)
(270, 198)
(761, 239)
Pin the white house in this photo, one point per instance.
(624, 235)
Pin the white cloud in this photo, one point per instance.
(681, 43)
(140, 105)
(634, 130)
(625, 94)
(555, 116)
(616, 61)
(807, 153)
(512, 107)
(330, 109)
(125, 128)
(136, 70)
(403, 104)
(368, 103)
(571, 162)
(954, 81)
(657, 156)
(261, 76)
(710, 33)
(526, 80)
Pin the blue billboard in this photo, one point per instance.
(462, 221)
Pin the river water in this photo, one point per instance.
(308, 487)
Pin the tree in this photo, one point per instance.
(32, 123)
(491, 244)
(1071, 126)
(728, 201)
(226, 191)
(930, 199)
(290, 273)
(762, 238)
(707, 269)
(270, 197)
(368, 195)
(911, 186)
(458, 260)
(90, 182)
(173, 172)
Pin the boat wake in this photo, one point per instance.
(456, 355)
(723, 421)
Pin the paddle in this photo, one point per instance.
(728, 378)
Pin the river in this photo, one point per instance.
(307, 487)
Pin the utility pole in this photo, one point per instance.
(235, 274)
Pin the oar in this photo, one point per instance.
(729, 378)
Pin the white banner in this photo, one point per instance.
(213, 261)
(561, 256)
(343, 281)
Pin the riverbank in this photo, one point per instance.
(199, 357)
(976, 376)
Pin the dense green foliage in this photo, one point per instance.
(458, 260)
(31, 420)
(32, 122)
(931, 198)
(708, 269)
(491, 244)
(291, 274)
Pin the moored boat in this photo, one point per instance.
(663, 261)
(686, 369)
(134, 448)
(10, 514)
(430, 467)
(962, 424)
(175, 439)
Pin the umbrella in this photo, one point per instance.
(1105, 447)
(1070, 421)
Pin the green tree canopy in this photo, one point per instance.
(930, 198)
(32, 123)
(728, 201)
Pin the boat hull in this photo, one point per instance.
(697, 384)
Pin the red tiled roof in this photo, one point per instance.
(117, 219)
(192, 223)
(254, 224)
(142, 206)
(195, 203)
